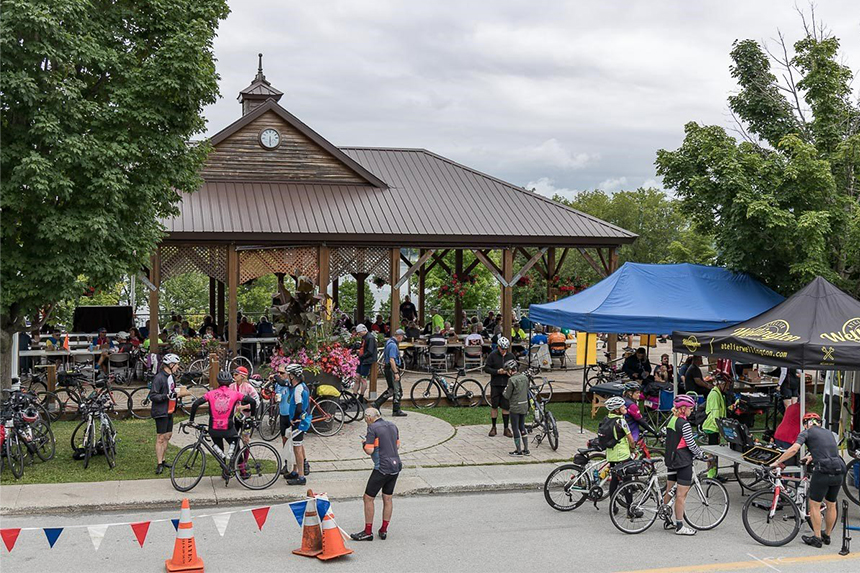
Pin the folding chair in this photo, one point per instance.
(438, 356)
(473, 356)
(558, 350)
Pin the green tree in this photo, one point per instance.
(255, 298)
(186, 294)
(348, 296)
(782, 203)
(99, 101)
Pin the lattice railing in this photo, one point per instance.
(301, 261)
(353, 260)
(211, 260)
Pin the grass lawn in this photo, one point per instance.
(563, 411)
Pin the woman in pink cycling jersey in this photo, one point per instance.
(681, 450)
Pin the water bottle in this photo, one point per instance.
(230, 451)
(218, 450)
(595, 475)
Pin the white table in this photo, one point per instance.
(257, 341)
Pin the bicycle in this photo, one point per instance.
(73, 395)
(773, 516)
(427, 392)
(602, 372)
(256, 465)
(95, 412)
(586, 479)
(191, 380)
(229, 365)
(544, 420)
(851, 481)
(544, 389)
(24, 434)
(326, 416)
(635, 506)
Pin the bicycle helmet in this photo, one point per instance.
(30, 415)
(504, 343)
(171, 359)
(685, 400)
(295, 370)
(122, 335)
(224, 379)
(631, 386)
(811, 416)
(614, 403)
(511, 365)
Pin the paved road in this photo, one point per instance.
(470, 533)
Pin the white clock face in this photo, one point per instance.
(270, 138)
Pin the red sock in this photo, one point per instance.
(368, 528)
(384, 528)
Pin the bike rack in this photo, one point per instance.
(846, 538)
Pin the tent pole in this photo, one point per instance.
(674, 373)
(584, 370)
(802, 413)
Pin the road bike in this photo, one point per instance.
(544, 425)
(229, 365)
(140, 402)
(72, 393)
(586, 479)
(544, 386)
(427, 392)
(96, 433)
(773, 516)
(327, 416)
(851, 481)
(24, 433)
(602, 372)
(256, 465)
(636, 505)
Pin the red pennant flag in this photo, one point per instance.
(140, 531)
(260, 514)
(10, 536)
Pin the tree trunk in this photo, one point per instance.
(6, 357)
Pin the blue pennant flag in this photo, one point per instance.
(175, 523)
(53, 533)
(322, 507)
(298, 508)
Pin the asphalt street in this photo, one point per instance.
(451, 533)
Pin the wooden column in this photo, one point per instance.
(323, 275)
(155, 279)
(421, 304)
(395, 292)
(550, 272)
(507, 292)
(612, 340)
(359, 297)
(212, 289)
(220, 318)
(232, 298)
(458, 302)
(335, 299)
(214, 368)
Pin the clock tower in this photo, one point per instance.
(258, 92)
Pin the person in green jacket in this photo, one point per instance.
(715, 408)
(517, 393)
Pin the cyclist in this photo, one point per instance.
(715, 408)
(163, 398)
(498, 381)
(622, 450)
(517, 395)
(681, 450)
(632, 393)
(295, 417)
(241, 384)
(222, 404)
(826, 479)
(367, 350)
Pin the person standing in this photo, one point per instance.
(681, 450)
(366, 358)
(294, 417)
(715, 408)
(163, 398)
(393, 371)
(827, 471)
(408, 310)
(495, 367)
(381, 444)
(241, 384)
(517, 394)
(437, 321)
(624, 445)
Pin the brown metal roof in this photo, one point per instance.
(429, 201)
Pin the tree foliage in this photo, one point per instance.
(782, 203)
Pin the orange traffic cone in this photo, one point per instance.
(332, 541)
(311, 532)
(185, 557)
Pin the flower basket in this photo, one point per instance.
(458, 287)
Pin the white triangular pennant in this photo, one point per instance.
(221, 520)
(97, 533)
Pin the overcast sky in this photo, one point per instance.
(558, 95)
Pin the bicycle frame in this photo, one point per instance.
(205, 440)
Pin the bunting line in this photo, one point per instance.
(97, 534)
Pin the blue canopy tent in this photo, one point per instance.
(660, 299)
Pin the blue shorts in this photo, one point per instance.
(364, 370)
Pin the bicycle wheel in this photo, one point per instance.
(43, 438)
(109, 446)
(545, 390)
(270, 425)
(14, 453)
(242, 361)
(197, 391)
(567, 487)
(34, 385)
(257, 465)
(188, 467)
(200, 365)
(551, 430)
(746, 476)
(71, 402)
(851, 481)
(89, 444)
(707, 505)
(50, 405)
(641, 511)
(468, 393)
(353, 408)
(776, 530)
(425, 393)
(120, 404)
(326, 418)
(139, 400)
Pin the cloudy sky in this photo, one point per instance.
(557, 95)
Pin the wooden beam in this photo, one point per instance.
(468, 270)
(550, 264)
(613, 259)
(458, 302)
(507, 298)
(405, 259)
(359, 296)
(422, 274)
(324, 269)
(438, 259)
(557, 268)
(491, 266)
(222, 298)
(603, 261)
(395, 290)
(411, 270)
(232, 298)
(213, 287)
(335, 298)
(528, 266)
(155, 279)
(591, 262)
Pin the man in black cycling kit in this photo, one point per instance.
(826, 479)
(222, 405)
(162, 395)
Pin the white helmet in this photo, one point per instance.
(504, 343)
(614, 403)
(295, 369)
(171, 359)
(122, 335)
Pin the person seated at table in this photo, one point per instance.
(187, 331)
(264, 327)
(438, 338)
(134, 337)
(555, 337)
(464, 321)
(437, 320)
(174, 320)
(663, 372)
(122, 342)
(209, 334)
(378, 325)
(207, 321)
(497, 327)
(246, 327)
(490, 321)
(539, 337)
(517, 332)
(161, 338)
(144, 331)
(474, 337)
(637, 366)
(55, 341)
(413, 333)
(104, 344)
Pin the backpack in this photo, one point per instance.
(606, 433)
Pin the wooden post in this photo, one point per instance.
(458, 302)
(212, 289)
(155, 279)
(507, 292)
(359, 297)
(421, 304)
(214, 368)
(51, 372)
(395, 292)
(612, 341)
(374, 374)
(550, 272)
(323, 274)
(220, 318)
(232, 298)
(335, 298)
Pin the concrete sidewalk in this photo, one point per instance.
(159, 494)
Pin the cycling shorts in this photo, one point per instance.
(681, 476)
(824, 486)
(497, 400)
(297, 435)
(379, 480)
(164, 425)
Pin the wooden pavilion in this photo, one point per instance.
(279, 198)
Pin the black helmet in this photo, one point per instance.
(224, 379)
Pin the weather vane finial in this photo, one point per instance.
(260, 66)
